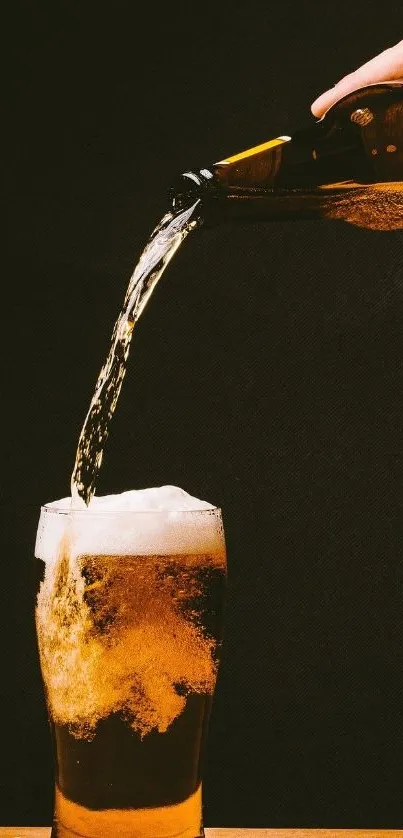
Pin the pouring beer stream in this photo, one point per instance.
(346, 166)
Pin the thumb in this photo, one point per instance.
(387, 66)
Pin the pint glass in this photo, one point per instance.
(128, 619)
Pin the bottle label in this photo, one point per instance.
(255, 150)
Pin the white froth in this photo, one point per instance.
(143, 521)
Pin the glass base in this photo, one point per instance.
(182, 820)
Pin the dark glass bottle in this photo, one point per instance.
(348, 165)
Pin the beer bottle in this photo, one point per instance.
(347, 165)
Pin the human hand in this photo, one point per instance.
(387, 66)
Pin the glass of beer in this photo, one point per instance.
(129, 621)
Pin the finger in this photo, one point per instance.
(387, 66)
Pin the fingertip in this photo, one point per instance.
(315, 109)
(331, 96)
(320, 105)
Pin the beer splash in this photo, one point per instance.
(162, 245)
(139, 655)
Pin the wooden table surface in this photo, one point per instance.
(44, 832)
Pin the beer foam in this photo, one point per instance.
(146, 521)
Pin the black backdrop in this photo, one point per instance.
(265, 376)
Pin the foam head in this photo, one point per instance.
(164, 519)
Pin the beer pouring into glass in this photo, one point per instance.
(130, 603)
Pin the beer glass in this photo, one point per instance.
(129, 621)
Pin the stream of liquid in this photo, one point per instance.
(163, 243)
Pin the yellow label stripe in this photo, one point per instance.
(255, 150)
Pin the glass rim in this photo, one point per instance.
(67, 510)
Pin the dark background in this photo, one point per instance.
(265, 376)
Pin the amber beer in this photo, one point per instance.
(129, 647)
